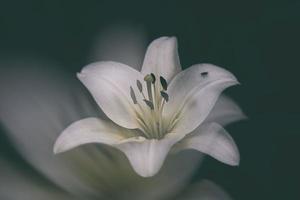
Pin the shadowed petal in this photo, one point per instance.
(16, 184)
(205, 190)
(90, 130)
(109, 83)
(162, 58)
(145, 156)
(193, 93)
(213, 140)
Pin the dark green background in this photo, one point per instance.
(256, 40)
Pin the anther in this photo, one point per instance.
(148, 78)
(153, 78)
(132, 94)
(163, 83)
(164, 95)
(149, 103)
(139, 85)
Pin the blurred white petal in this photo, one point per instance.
(15, 185)
(225, 111)
(212, 140)
(38, 101)
(205, 190)
(125, 43)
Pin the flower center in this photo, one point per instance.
(149, 109)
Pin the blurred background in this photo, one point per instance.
(258, 41)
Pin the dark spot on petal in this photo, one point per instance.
(204, 74)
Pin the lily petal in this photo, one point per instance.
(90, 130)
(162, 58)
(109, 84)
(213, 140)
(147, 156)
(225, 111)
(193, 93)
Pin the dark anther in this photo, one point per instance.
(204, 74)
(164, 95)
(163, 83)
(133, 95)
(149, 103)
(139, 85)
(153, 78)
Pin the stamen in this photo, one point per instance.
(163, 83)
(151, 120)
(149, 79)
(149, 103)
(149, 90)
(132, 94)
(164, 95)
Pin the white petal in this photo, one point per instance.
(193, 95)
(90, 130)
(109, 83)
(147, 156)
(162, 58)
(213, 140)
(225, 112)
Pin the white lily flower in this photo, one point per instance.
(42, 101)
(41, 104)
(154, 110)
